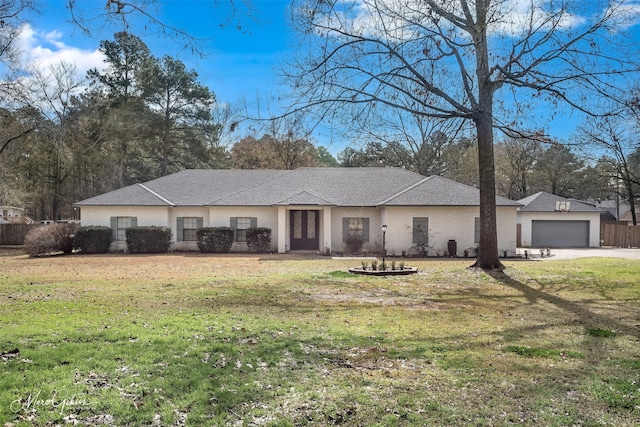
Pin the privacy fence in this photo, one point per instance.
(13, 234)
(619, 235)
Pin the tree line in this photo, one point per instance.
(140, 118)
(144, 117)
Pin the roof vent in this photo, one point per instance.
(562, 206)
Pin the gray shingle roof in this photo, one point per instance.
(137, 194)
(191, 187)
(338, 186)
(304, 186)
(440, 191)
(546, 202)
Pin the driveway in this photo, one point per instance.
(633, 253)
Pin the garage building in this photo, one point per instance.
(549, 221)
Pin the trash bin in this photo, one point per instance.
(452, 247)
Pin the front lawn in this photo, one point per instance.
(190, 339)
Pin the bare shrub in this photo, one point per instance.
(49, 239)
(354, 243)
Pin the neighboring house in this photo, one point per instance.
(613, 210)
(12, 215)
(628, 217)
(550, 221)
(306, 209)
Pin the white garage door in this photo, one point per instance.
(560, 234)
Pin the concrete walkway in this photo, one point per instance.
(629, 253)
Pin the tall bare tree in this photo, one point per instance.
(618, 138)
(515, 158)
(11, 19)
(52, 91)
(417, 142)
(455, 58)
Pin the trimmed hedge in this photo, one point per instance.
(148, 240)
(49, 239)
(215, 239)
(93, 239)
(259, 239)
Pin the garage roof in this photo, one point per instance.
(547, 202)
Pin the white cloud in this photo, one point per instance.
(50, 71)
(47, 49)
(508, 17)
(626, 15)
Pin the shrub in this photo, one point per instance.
(93, 239)
(49, 239)
(148, 240)
(259, 239)
(354, 243)
(215, 239)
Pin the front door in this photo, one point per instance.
(304, 230)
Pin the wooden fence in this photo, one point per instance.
(619, 235)
(13, 234)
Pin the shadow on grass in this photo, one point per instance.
(585, 316)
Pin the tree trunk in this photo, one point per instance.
(631, 199)
(488, 258)
(165, 138)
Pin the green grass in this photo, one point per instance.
(287, 341)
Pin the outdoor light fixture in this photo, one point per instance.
(384, 231)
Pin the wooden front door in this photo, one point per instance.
(304, 230)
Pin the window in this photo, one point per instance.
(355, 227)
(119, 224)
(240, 225)
(420, 230)
(476, 230)
(188, 228)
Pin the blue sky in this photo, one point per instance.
(238, 64)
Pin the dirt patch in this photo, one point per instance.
(381, 298)
(11, 250)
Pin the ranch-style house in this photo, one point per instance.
(313, 209)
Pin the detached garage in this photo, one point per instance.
(550, 221)
(560, 234)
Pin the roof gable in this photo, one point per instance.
(547, 202)
(304, 198)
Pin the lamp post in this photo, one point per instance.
(384, 231)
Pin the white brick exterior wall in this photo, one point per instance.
(445, 223)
